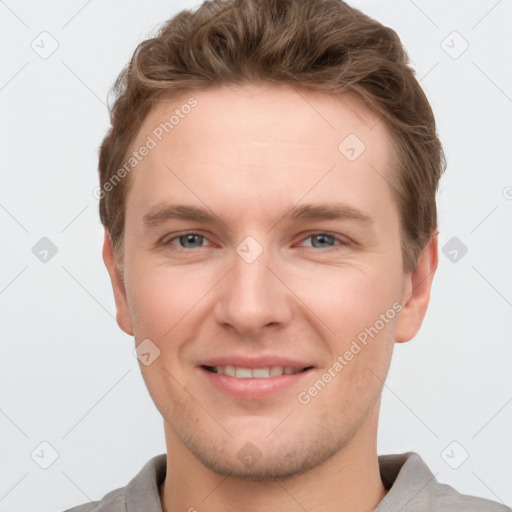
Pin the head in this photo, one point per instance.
(268, 115)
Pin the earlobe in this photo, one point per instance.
(123, 316)
(416, 296)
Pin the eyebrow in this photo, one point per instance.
(163, 212)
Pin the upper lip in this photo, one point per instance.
(255, 362)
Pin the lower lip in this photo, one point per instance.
(252, 389)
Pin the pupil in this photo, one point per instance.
(190, 239)
(322, 239)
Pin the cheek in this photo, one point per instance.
(166, 303)
(358, 310)
(356, 373)
(164, 300)
(349, 299)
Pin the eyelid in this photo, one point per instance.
(167, 239)
(343, 241)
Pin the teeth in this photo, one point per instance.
(243, 373)
(256, 373)
(261, 373)
(228, 370)
(275, 371)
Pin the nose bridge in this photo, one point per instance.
(252, 296)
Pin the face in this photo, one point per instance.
(263, 263)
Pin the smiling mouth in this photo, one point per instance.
(255, 373)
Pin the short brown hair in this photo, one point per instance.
(320, 45)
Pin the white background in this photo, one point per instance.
(68, 375)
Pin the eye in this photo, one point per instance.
(186, 240)
(192, 240)
(325, 240)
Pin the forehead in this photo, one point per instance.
(239, 146)
(251, 109)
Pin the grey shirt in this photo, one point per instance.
(411, 488)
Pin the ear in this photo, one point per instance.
(416, 292)
(123, 316)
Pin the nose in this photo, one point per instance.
(253, 296)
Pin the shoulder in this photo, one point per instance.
(412, 488)
(114, 501)
(141, 493)
(448, 499)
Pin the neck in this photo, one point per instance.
(347, 481)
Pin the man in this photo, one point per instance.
(268, 195)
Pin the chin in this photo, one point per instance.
(266, 457)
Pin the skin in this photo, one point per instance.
(247, 153)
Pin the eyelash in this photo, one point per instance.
(342, 242)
